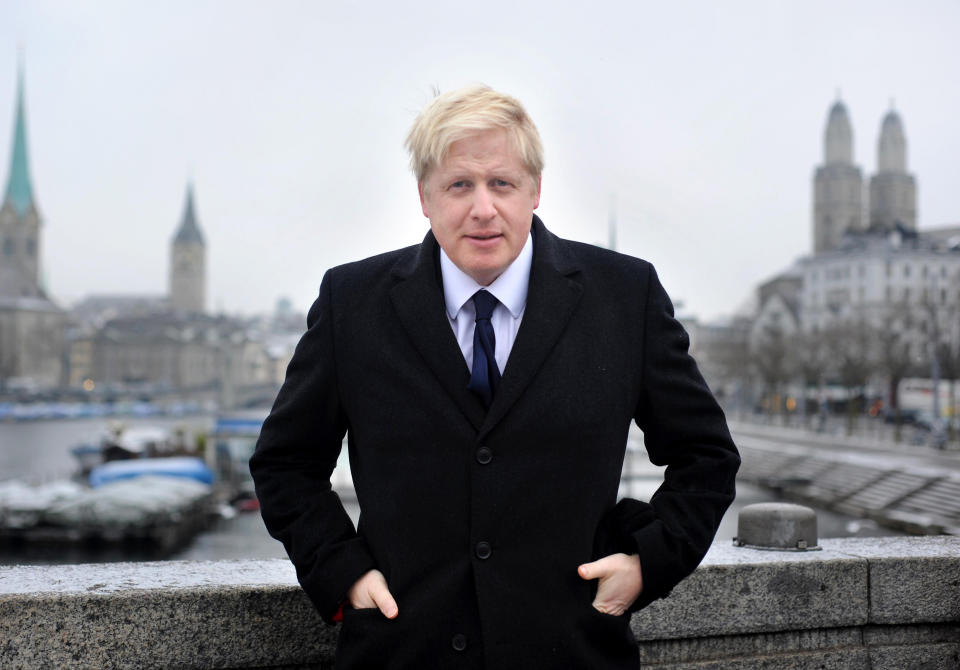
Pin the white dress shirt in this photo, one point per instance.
(510, 288)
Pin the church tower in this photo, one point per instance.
(893, 191)
(188, 263)
(19, 218)
(837, 184)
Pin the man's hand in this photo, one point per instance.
(371, 591)
(621, 582)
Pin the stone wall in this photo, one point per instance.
(859, 603)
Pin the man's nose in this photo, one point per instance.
(483, 206)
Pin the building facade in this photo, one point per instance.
(875, 275)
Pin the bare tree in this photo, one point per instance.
(943, 350)
(949, 358)
(849, 343)
(773, 361)
(894, 355)
(811, 361)
(728, 367)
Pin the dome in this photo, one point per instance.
(838, 137)
(892, 122)
(839, 110)
(892, 146)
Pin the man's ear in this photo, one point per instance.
(423, 201)
(536, 202)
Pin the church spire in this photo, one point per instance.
(188, 264)
(19, 190)
(189, 231)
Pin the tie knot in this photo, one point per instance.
(484, 302)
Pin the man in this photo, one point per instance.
(486, 379)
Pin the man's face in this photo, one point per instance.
(480, 203)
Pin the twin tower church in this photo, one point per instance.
(840, 203)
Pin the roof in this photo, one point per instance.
(838, 110)
(892, 121)
(172, 327)
(19, 189)
(189, 231)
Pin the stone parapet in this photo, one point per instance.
(857, 603)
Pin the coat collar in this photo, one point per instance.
(553, 295)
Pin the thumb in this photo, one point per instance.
(594, 570)
(384, 600)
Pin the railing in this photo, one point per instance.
(858, 603)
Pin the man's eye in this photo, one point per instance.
(500, 183)
(458, 184)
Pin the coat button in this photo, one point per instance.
(484, 455)
(483, 550)
(459, 642)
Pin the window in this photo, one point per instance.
(906, 270)
(7, 247)
(924, 273)
(888, 294)
(31, 247)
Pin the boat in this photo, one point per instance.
(235, 438)
(134, 486)
(119, 442)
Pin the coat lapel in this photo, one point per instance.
(418, 300)
(551, 300)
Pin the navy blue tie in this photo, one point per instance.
(485, 375)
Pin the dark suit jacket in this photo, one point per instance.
(479, 519)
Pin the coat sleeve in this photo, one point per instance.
(684, 429)
(294, 458)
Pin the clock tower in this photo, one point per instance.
(188, 263)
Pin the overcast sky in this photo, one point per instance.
(703, 121)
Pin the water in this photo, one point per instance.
(40, 452)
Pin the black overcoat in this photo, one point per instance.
(479, 519)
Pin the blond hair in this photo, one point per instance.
(458, 114)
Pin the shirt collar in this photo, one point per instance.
(510, 288)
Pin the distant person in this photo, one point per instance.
(486, 379)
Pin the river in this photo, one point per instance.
(39, 451)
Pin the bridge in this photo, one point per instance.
(857, 604)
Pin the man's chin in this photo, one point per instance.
(484, 274)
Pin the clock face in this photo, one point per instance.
(187, 260)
